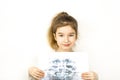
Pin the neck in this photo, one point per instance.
(60, 50)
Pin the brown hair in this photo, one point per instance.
(60, 20)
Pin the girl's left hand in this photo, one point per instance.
(89, 76)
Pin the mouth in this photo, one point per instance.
(66, 45)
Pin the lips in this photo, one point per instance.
(66, 45)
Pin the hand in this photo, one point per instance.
(89, 76)
(36, 73)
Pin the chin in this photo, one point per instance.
(67, 48)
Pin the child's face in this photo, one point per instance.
(65, 37)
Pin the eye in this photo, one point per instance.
(61, 35)
(71, 35)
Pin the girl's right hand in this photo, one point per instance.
(36, 73)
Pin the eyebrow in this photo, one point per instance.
(69, 33)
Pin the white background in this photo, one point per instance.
(24, 24)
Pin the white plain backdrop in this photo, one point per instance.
(24, 24)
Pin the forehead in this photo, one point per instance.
(65, 29)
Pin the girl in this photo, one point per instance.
(62, 35)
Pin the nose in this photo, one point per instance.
(66, 39)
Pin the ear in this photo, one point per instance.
(54, 36)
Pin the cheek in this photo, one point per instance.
(73, 42)
(73, 39)
(59, 40)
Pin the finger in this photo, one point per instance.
(86, 76)
(36, 73)
(36, 77)
(40, 74)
